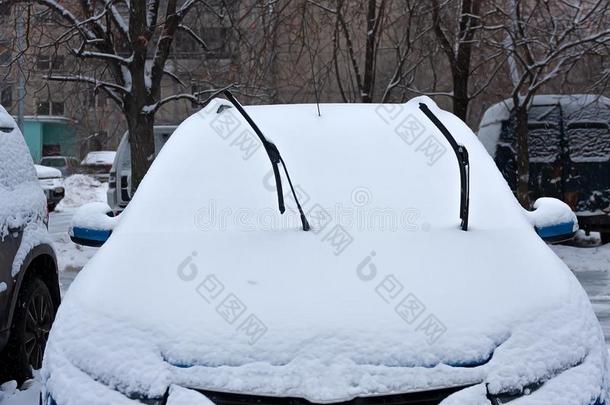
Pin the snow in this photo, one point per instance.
(93, 216)
(80, 190)
(21, 198)
(3, 287)
(45, 172)
(585, 259)
(551, 211)
(183, 396)
(99, 158)
(226, 294)
(28, 394)
(34, 234)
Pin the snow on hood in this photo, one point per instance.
(21, 198)
(45, 172)
(385, 294)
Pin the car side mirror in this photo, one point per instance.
(92, 224)
(553, 220)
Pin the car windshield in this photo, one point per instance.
(383, 168)
(53, 162)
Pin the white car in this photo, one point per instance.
(51, 181)
(402, 271)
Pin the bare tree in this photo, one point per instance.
(128, 43)
(542, 40)
(457, 46)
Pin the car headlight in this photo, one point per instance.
(506, 397)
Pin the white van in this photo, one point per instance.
(119, 185)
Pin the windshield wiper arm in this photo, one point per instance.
(276, 159)
(461, 153)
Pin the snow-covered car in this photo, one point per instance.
(51, 181)
(67, 165)
(569, 151)
(29, 288)
(98, 164)
(402, 270)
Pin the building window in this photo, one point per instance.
(6, 96)
(46, 62)
(57, 108)
(217, 40)
(5, 10)
(43, 62)
(50, 108)
(5, 52)
(43, 108)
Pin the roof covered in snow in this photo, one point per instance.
(99, 158)
(585, 119)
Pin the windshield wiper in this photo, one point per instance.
(276, 159)
(461, 153)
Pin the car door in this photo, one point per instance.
(9, 245)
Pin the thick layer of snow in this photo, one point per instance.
(93, 216)
(80, 190)
(21, 198)
(224, 293)
(551, 211)
(45, 172)
(99, 158)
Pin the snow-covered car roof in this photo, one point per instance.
(99, 158)
(384, 294)
(46, 172)
(21, 198)
(575, 108)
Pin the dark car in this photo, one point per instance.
(569, 150)
(29, 287)
(98, 164)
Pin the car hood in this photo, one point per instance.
(323, 327)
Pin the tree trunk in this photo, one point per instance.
(369, 57)
(460, 90)
(142, 145)
(523, 160)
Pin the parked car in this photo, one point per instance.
(51, 182)
(402, 270)
(29, 288)
(67, 165)
(98, 164)
(569, 147)
(119, 185)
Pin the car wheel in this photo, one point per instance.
(51, 207)
(605, 236)
(34, 315)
